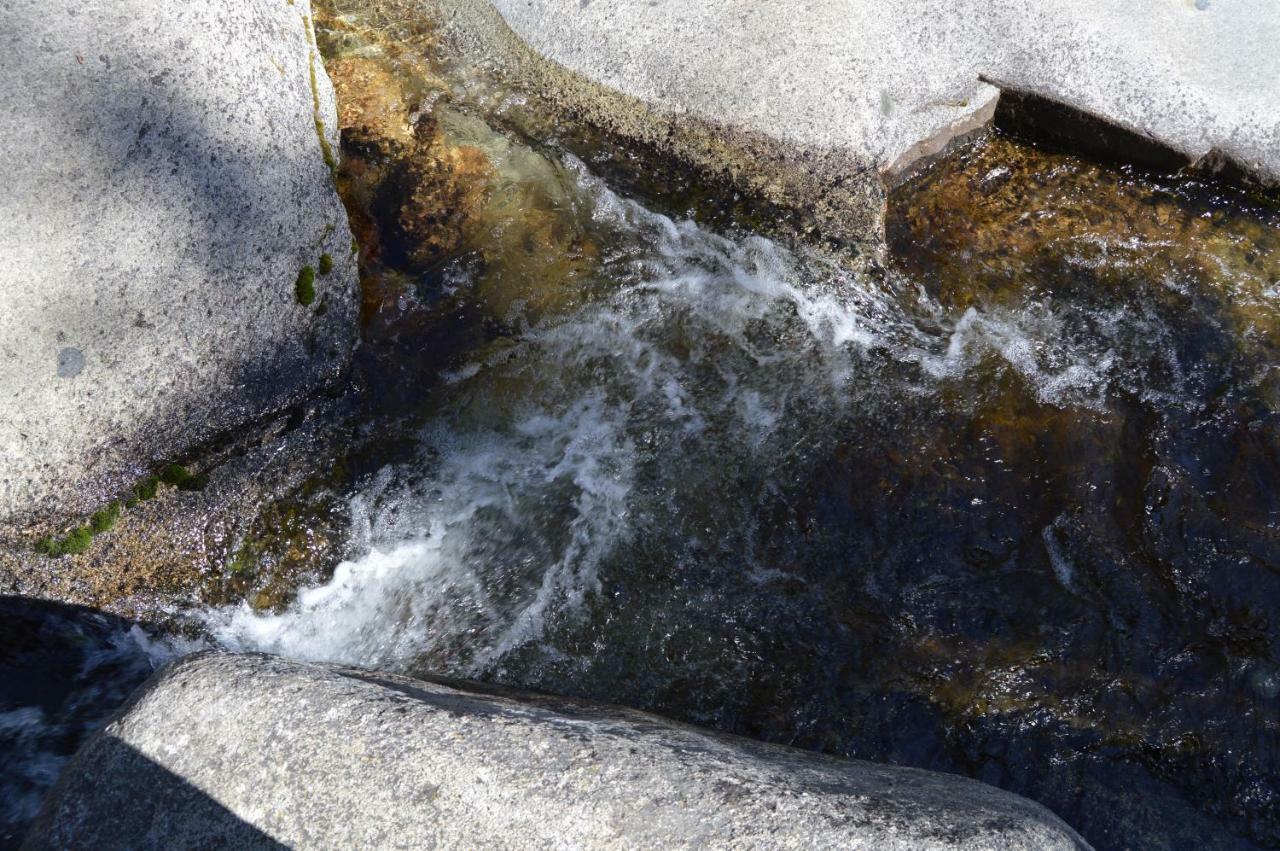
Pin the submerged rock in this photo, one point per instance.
(261, 752)
(168, 171)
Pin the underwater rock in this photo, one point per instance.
(983, 226)
(447, 195)
(398, 157)
(283, 754)
(169, 173)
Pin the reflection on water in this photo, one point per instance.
(1007, 510)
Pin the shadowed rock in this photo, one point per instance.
(166, 180)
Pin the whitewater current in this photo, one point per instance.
(660, 414)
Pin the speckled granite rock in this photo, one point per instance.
(821, 104)
(264, 752)
(165, 182)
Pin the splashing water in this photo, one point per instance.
(63, 672)
(550, 457)
(1006, 510)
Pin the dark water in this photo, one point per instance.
(1006, 509)
(63, 671)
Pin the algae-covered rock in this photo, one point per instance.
(166, 178)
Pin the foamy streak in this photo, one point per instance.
(701, 350)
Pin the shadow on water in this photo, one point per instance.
(64, 670)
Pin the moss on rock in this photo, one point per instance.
(73, 543)
(146, 489)
(104, 519)
(305, 287)
(182, 478)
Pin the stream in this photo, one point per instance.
(1005, 508)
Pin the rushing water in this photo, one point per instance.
(1008, 509)
(745, 485)
(63, 672)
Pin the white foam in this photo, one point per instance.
(433, 573)
(531, 482)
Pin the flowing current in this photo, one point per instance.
(1006, 509)
(663, 416)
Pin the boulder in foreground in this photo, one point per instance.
(257, 751)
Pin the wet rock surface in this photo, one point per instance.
(282, 754)
(167, 181)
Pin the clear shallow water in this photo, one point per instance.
(1007, 509)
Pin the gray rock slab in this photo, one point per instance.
(862, 90)
(165, 182)
(272, 753)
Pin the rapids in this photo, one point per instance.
(1031, 538)
(1006, 508)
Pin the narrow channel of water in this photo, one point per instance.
(1007, 510)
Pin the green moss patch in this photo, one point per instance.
(146, 489)
(326, 150)
(305, 288)
(182, 478)
(78, 540)
(73, 543)
(104, 519)
(325, 266)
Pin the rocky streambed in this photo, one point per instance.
(997, 501)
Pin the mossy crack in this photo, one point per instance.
(104, 519)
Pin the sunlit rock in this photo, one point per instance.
(168, 174)
(372, 759)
